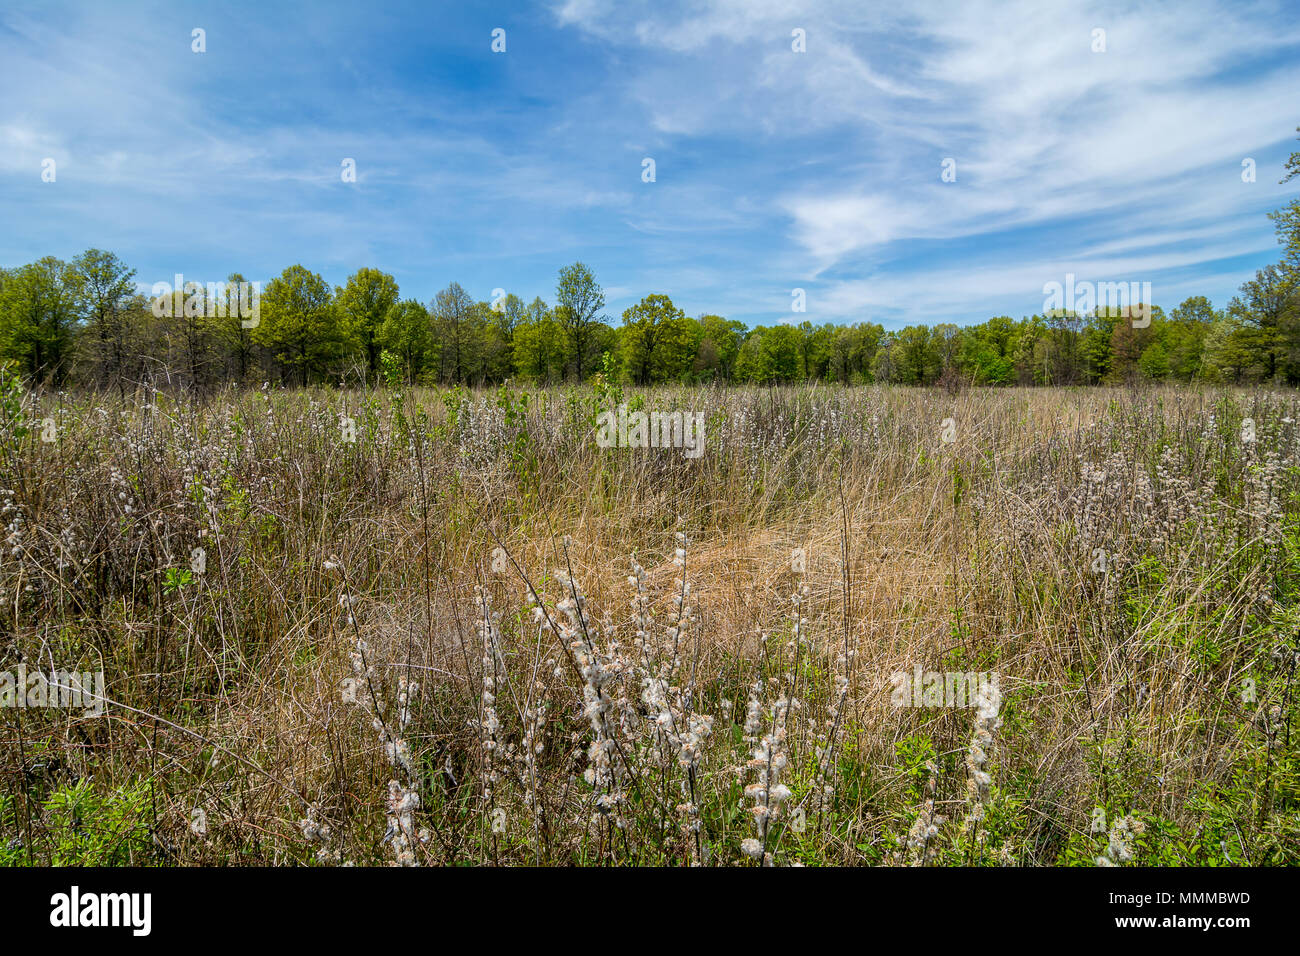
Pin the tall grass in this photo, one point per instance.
(473, 636)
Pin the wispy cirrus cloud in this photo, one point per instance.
(1058, 148)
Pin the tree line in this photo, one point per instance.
(86, 323)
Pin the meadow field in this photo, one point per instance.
(430, 626)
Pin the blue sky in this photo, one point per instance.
(774, 169)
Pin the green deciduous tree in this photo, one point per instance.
(363, 304)
(1266, 310)
(579, 300)
(300, 324)
(108, 287)
(658, 341)
(232, 337)
(408, 333)
(540, 345)
(40, 313)
(458, 325)
(719, 345)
